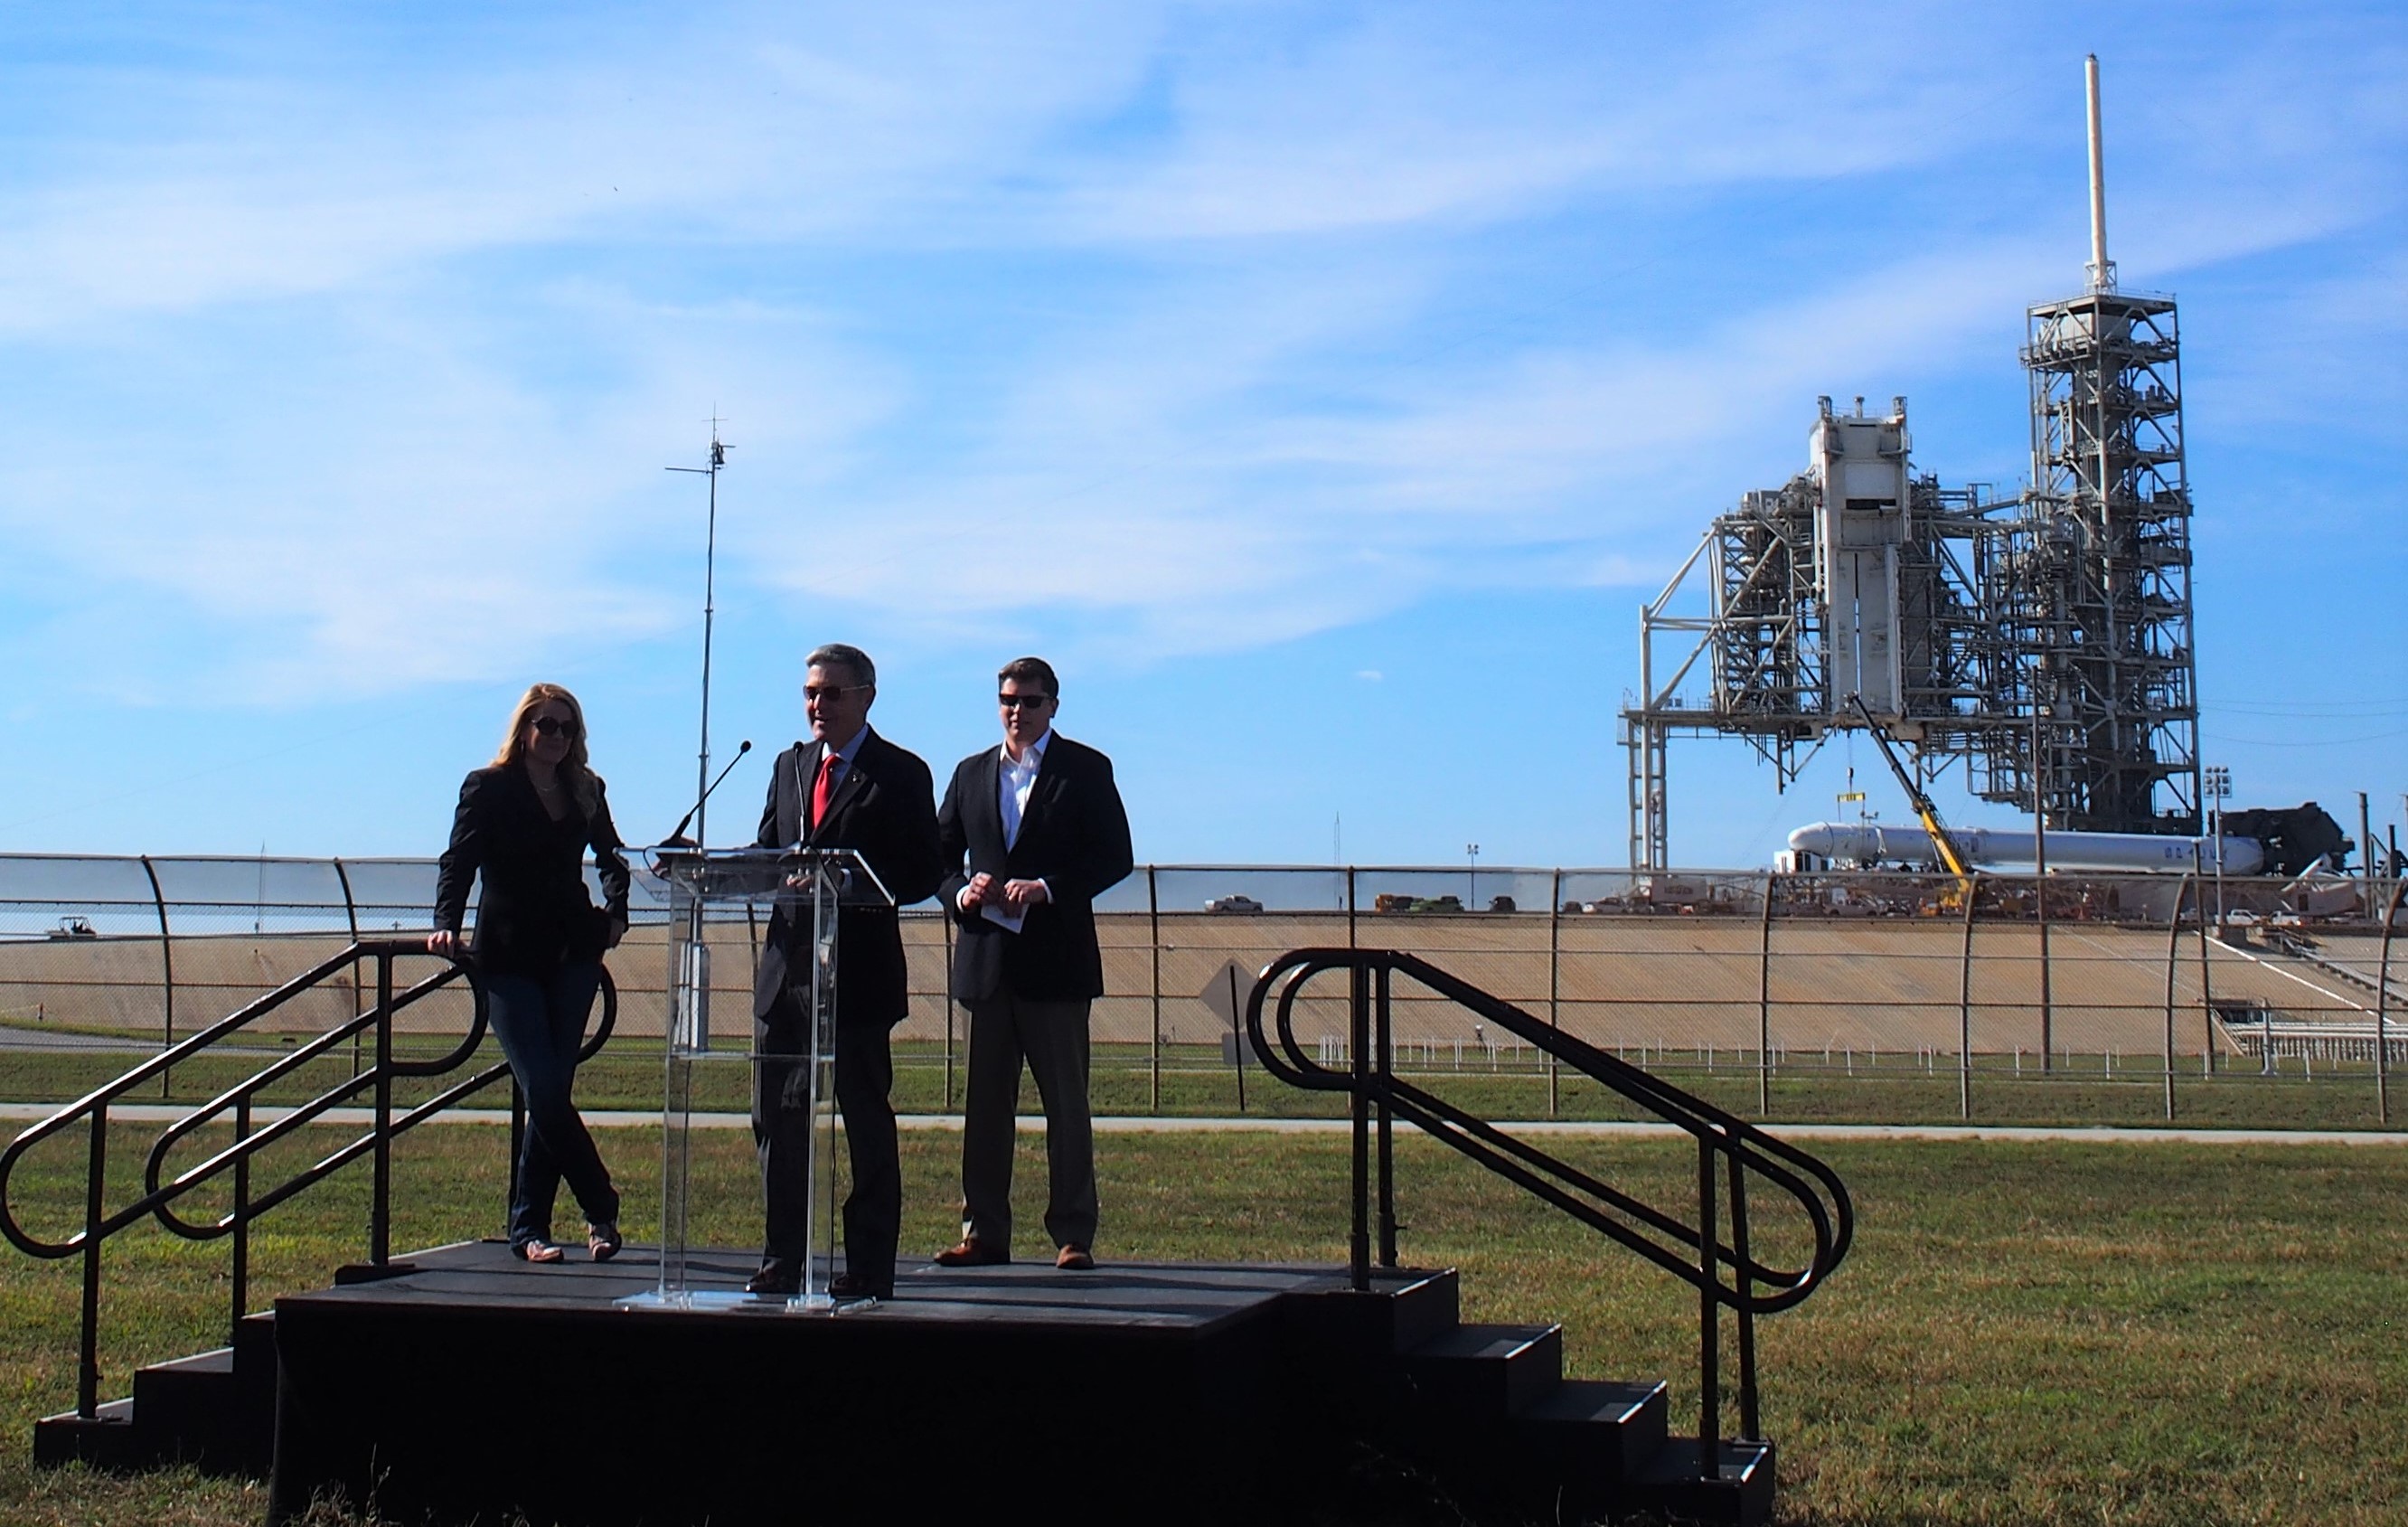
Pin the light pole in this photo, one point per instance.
(1473, 850)
(2215, 782)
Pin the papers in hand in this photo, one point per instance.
(995, 911)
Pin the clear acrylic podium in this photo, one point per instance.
(734, 891)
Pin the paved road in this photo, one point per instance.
(625, 1118)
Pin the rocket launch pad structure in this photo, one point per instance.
(2044, 639)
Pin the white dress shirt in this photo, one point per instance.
(1014, 778)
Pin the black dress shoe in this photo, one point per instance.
(850, 1285)
(776, 1277)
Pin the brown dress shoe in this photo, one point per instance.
(1074, 1259)
(973, 1252)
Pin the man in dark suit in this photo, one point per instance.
(847, 787)
(1031, 834)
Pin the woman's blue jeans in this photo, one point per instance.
(541, 1024)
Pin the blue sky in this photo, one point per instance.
(1323, 387)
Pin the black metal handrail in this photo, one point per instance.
(1695, 1251)
(159, 1198)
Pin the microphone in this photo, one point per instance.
(677, 838)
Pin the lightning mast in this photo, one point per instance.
(709, 578)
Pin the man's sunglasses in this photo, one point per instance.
(552, 726)
(829, 691)
(1014, 701)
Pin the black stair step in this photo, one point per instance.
(255, 1337)
(1591, 1433)
(1487, 1372)
(105, 1441)
(1402, 1309)
(215, 1409)
(1423, 1306)
(1670, 1484)
(186, 1408)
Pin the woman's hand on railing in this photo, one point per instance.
(445, 941)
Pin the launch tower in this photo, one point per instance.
(2045, 640)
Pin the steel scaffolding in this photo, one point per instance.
(2093, 585)
(1778, 663)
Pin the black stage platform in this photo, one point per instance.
(476, 1386)
(479, 1381)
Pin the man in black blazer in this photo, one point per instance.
(847, 787)
(1030, 833)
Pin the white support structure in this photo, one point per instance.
(1860, 528)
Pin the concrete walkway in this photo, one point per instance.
(16, 1037)
(153, 1113)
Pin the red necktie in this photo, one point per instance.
(823, 787)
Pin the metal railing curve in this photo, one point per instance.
(159, 1198)
(1711, 1250)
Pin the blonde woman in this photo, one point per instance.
(523, 824)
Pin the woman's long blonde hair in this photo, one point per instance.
(583, 786)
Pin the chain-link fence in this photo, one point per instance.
(1772, 990)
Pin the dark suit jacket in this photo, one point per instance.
(1074, 836)
(532, 910)
(884, 810)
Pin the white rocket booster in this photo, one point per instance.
(1867, 842)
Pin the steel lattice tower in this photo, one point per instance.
(2093, 586)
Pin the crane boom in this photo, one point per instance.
(1924, 812)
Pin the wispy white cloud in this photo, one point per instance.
(1284, 524)
(402, 348)
(273, 180)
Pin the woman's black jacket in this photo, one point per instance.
(533, 912)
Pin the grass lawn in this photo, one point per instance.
(1897, 1089)
(2024, 1334)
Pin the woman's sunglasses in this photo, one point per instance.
(552, 726)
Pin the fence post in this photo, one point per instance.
(166, 968)
(2206, 1000)
(2174, 961)
(1154, 927)
(1764, 1004)
(2047, 980)
(351, 921)
(1554, 988)
(1964, 1008)
(2381, 1008)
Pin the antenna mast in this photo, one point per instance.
(709, 582)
